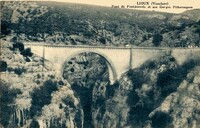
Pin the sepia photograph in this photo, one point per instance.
(100, 64)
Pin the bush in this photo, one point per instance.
(60, 82)
(157, 38)
(38, 76)
(27, 52)
(10, 69)
(18, 45)
(102, 40)
(5, 30)
(19, 71)
(37, 82)
(161, 120)
(3, 66)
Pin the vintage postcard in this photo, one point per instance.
(100, 64)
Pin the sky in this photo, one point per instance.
(195, 4)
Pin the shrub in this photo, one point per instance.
(102, 40)
(10, 69)
(161, 120)
(26, 52)
(51, 76)
(60, 82)
(38, 76)
(3, 66)
(5, 30)
(37, 82)
(18, 45)
(19, 71)
(27, 59)
(157, 38)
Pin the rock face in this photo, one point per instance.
(32, 90)
(63, 111)
(184, 106)
(148, 96)
(158, 94)
(88, 75)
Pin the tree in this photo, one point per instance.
(157, 38)
(19, 70)
(3, 66)
(18, 45)
(5, 30)
(27, 52)
(102, 40)
(161, 120)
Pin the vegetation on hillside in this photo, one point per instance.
(65, 23)
(7, 98)
(42, 96)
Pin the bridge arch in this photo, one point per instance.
(118, 60)
(111, 68)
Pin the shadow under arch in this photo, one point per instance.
(111, 68)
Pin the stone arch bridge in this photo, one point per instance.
(118, 59)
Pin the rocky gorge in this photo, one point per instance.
(160, 93)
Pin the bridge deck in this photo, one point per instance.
(103, 47)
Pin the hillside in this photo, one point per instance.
(193, 14)
(75, 24)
